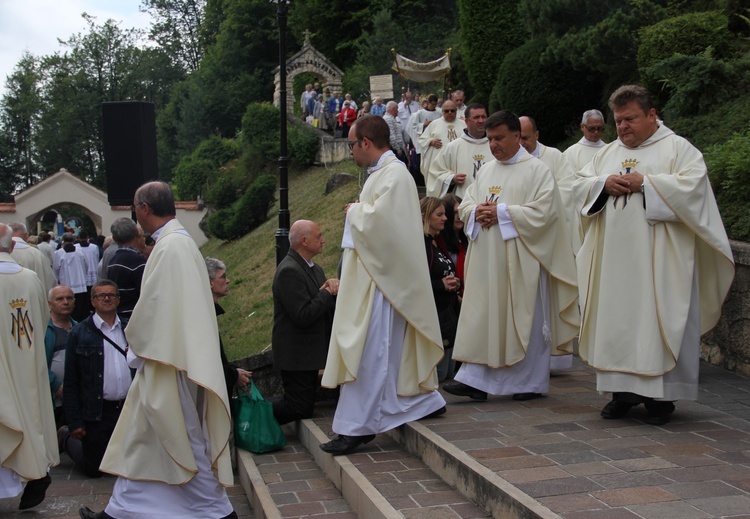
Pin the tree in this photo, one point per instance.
(178, 29)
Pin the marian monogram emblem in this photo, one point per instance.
(628, 165)
(494, 193)
(452, 136)
(478, 163)
(21, 328)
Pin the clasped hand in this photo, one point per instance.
(617, 185)
(486, 214)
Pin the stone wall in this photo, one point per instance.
(728, 345)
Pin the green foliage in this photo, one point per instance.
(217, 151)
(303, 145)
(712, 128)
(489, 31)
(190, 177)
(260, 130)
(697, 84)
(729, 170)
(690, 34)
(246, 213)
(554, 95)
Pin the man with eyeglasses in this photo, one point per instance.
(97, 379)
(655, 265)
(385, 341)
(581, 153)
(439, 133)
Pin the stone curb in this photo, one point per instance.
(467, 476)
(255, 488)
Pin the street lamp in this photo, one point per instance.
(282, 234)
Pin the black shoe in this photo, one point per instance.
(459, 389)
(343, 444)
(434, 414)
(87, 513)
(659, 412)
(233, 515)
(616, 409)
(34, 492)
(526, 396)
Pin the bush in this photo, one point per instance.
(260, 129)
(729, 170)
(190, 177)
(217, 151)
(303, 144)
(690, 34)
(247, 213)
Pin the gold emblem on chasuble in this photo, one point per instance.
(478, 163)
(21, 327)
(494, 193)
(452, 136)
(627, 165)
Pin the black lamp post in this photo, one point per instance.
(282, 234)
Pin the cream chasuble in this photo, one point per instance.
(438, 129)
(502, 277)
(464, 155)
(644, 263)
(388, 256)
(28, 439)
(33, 259)
(581, 153)
(415, 126)
(173, 331)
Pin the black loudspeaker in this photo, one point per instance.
(129, 134)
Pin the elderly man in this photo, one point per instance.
(397, 137)
(61, 301)
(581, 153)
(439, 133)
(385, 342)
(406, 108)
(28, 445)
(655, 265)
(170, 447)
(520, 296)
(70, 267)
(31, 258)
(303, 304)
(97, 378)
(378, 108)
(563, 172)
(127, 264)
(456, 166)
(217, 277)
(459, 98)
(304, 98)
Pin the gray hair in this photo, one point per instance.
(18, 228)
(52, 290)
(123, 230)
(390, 104)
(588, 114)
(6, 238)
(214, 266)
(158, 196)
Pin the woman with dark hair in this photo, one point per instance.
(445, 284)
(453, 235)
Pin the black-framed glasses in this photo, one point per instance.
(102, 297)
(352, 143)
(593, 129)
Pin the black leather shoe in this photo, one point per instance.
(436, 413)
(87, 513)
(659, 412)
(459, 389)
(616, 409)
(34, 492)
(526, 396)
(343, 444)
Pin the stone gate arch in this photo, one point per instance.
(308, 59)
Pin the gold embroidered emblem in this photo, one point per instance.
(494, 193)
(21, 328)
(478, 163)
(627, 165)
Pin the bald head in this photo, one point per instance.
(6, 238)
(529, 133)
(306, 239)
(449, 111)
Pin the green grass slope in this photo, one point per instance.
(251, 260)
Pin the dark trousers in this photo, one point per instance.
(88, 453)
(82, 307)
(299, 396)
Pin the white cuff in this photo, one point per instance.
(594, 194)
(656, 209)
(507, 227)
(347, 242)
(472, 229)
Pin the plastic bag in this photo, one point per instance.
(255, 428)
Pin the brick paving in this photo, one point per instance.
(71, 490)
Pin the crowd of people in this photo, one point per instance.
(484, 285)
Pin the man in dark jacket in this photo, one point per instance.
(97, 379)
(303, 304)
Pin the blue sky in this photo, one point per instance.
(36, 25)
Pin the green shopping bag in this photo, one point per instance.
(255, 428)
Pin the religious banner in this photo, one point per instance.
(422, 72)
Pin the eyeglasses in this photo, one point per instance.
(593, 129)
(352, 143)
(102, 297)
(449, 111)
